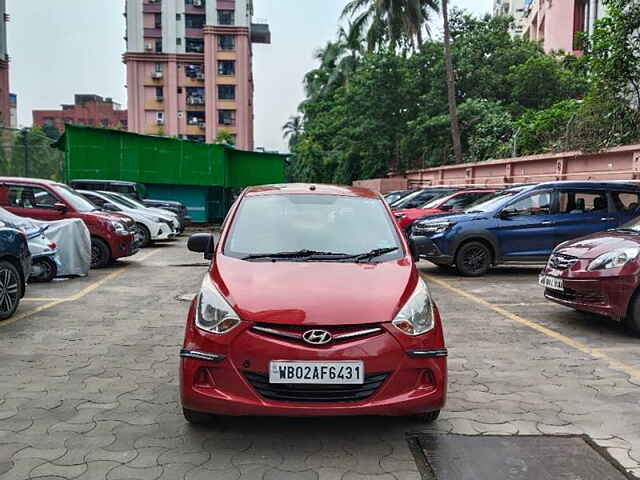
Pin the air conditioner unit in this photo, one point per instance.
(198, 3)
(148, 47)
(200, 76)
(159, 99)
(159, 121)
(202, 125)
(156, 75)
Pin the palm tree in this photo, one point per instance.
(293, 129)
(451, 87)
(392, 21)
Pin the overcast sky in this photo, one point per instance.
(59, 48)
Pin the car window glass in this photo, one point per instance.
(535, 204)
(578, 202)
(626, 201)
(97, 200)
(25, 196)
(463, 200)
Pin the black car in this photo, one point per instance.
(134, 190)
(15, 268)
(418, 198)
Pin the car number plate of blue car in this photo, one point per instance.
(329, 373)
(553, 283)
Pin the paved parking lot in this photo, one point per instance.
(88, 383)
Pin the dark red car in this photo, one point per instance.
(454, 202)
(312, 306)
(111, 233)
(599, 273)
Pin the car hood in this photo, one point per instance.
(594, 245)
(314, 293)
(417, 212)
(457, 217)
(112, 216)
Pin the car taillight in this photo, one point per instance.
(52, 245)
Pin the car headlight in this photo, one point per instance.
(614, 259)
(213, 312)
(118, 227)
(416, 317)
(432, 227)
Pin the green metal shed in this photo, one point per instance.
(199, 175)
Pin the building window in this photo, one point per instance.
(178, 41)
(196, 138)
(178, 17)
(195, 118)
(104, 122)
(226, 17)
(179, 90)
(158, 67)
(195, 21)
(195, 96)
(226, 92)
(158, 46)
(159, 93)
(195, 45)
(227, 117)
(226, 67)
(158, 20)
(194, 71)
(160, 118)
(226, 42)
(196, 3)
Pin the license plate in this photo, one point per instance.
(330, 373)
(552, 283)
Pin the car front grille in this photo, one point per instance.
(339, 333)
(558, 261)
(304, 392)
(579, 296)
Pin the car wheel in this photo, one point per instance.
(10, 289)
(45, 270)
(100, 253)
(632, 320)
(197, 418)
(473, 259)
(142, 235)
(428, 417)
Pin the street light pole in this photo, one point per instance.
(25, 146)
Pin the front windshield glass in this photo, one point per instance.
(437, 200)
(488, 203)
(325, 223)
(127, 202)
(73, 198)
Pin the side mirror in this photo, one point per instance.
(110, 207)
(60, 207)
(202, 243)
(504, 214)
(446, 208)
(419, 245)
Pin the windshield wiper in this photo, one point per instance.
(298, 254)
(378, 252)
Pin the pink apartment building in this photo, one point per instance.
(555, 23)
(5, 107)
(189, 68)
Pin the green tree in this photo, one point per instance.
(292, 130)
(225, 137)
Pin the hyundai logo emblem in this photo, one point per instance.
(317, 337)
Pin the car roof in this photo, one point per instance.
(310, 188)
(110, 182)
(588, 184)
(38, 181)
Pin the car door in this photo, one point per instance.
(627, 206)
(33, 201)
(582, 212)
(525, 227)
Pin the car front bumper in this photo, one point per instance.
(432, 252)
(217, 375)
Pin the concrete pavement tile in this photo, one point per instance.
(97, 470)
(65, 471)
(233, 473)
(124, 472)
(177, 471)
(277, 474)
(360, 476)
(622, 456)
(100, 454)
(21, 468)
(49, 454)
(183, 456)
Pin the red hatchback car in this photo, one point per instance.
(111, 233)
(599, 273)
(454, 202)
(312, 306)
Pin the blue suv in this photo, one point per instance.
(523, 224)
(15, 267)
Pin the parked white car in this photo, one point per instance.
(150, 226)
(140, 206)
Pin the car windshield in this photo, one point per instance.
(436, 200)
(73, 198)
(126, 202)
(327, 224)
(489, 202)
(127, 198)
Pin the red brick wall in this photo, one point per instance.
(89, 113)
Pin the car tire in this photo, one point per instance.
(428, 417)
(197, 418)
(143, 233)
(632, 320)
(48, 270)
(100, 253)
(473, 259)
(10, 289)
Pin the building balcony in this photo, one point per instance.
(260, 33)
(155, 7)
(197, 129)
(194, 33)
(153, 32)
